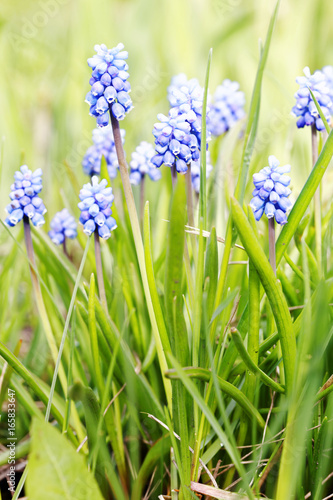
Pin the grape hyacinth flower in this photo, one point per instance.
(175, 145)
(195, 173)
(109, 86)
(63, 225)
(271, 192)
(328, 72)
(25, 200)
(305, 109)
(186, 96)
(141, 164)
(227, 108)
(95, 205)
(103, 145)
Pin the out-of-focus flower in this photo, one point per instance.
(195, 172)
(25, 199)
(305, 109)
(141, 164)
(109, 86)
(103, 145)
(272, 191)
(227, 107)
(95, 205)
(174, 142)
(328, 72)
(63, 225)
(186, 96)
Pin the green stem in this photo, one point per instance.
(173, 176)
(142, 199)
(64, 247)
(139, 250)
(316, 199)
(190, 209)
(99, 271)
(271, 241)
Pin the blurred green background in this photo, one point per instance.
(44, 45)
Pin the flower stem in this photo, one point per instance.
(271, 241)
(173, 176)
(317, 204)
(64, 247)
(142, 199)
(99, 271)
(140, 252)
(190, 209)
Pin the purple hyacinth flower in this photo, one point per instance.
(227, 107)
(271, 192)
(103, 145)
(95, 205)
(175, 144)
(25, 201)
(63, 225)
(186, 97)
(141, 164)
(305, 109)
(109, 86)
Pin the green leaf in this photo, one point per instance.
(272, 288)
(304, 198)
(327, 127)
(229, 389)
(56, 470)
(211, 271)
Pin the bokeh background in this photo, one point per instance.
(44, 46)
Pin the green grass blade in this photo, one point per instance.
(272, 288)
(251, 364)
(229, 389)
(304, 198)
(203, 153)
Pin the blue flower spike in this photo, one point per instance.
(103, 145)
(24, 198)
(175, 145)
(95, 205)
(141, 164)
(63, 225)
(186, 97)
(271, 192)
(227, 107)
(109, 86)
(305, 109)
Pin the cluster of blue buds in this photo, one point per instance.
(95, 205)
(109, 86)
(195, 172)
(175, 145)
(63, 225)
(305, 109)
(272, 191)
(103, 145)
(186, 96)
(227, 108)
(25, 199)
(141, 164)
